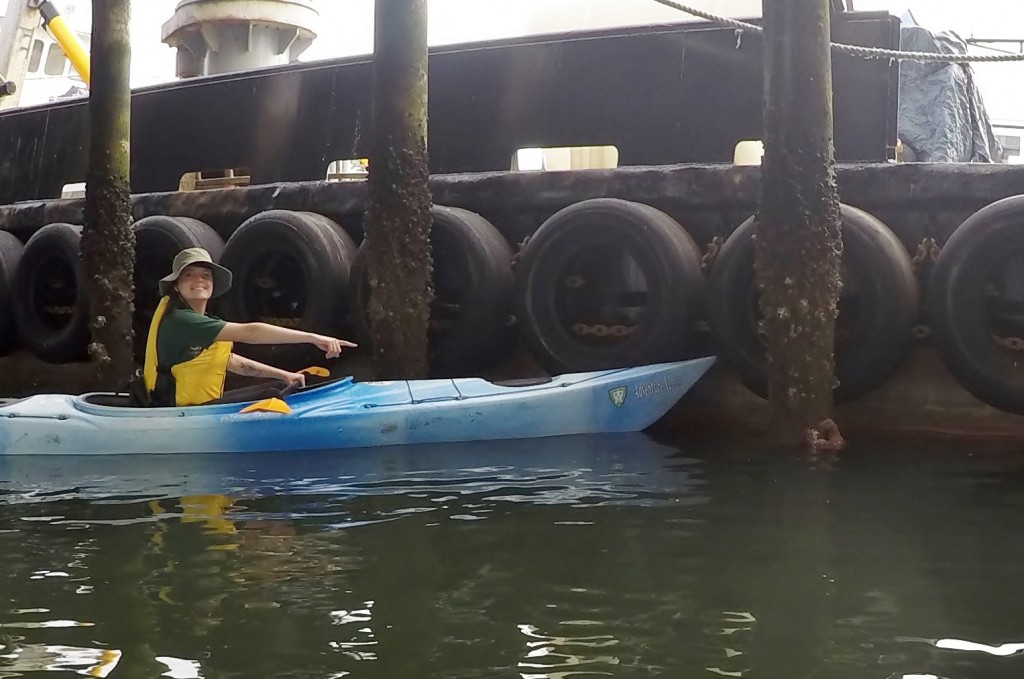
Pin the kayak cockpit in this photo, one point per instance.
(109, 404)
(109, 400)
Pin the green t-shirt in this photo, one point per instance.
(183, 335)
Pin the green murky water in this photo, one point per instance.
(577, 557)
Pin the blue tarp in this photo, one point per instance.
(942, 117)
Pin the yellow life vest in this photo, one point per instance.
(195, 381)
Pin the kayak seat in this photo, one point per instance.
(523, 382)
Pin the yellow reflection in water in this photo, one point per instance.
(210, 510)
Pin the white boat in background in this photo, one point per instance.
(575, 15)
(50, 76)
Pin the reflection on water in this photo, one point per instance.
(22, 659)
(560, 656)
(611, 556)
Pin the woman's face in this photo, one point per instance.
(195, 283)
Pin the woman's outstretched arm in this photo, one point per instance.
(264, 333)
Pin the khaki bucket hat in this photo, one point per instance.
(189, 256)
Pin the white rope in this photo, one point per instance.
(855, 50)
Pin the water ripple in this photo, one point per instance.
(18, 659)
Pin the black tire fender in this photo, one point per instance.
(10, 252)
(473, 293)
(879, 328)
(157, 240)
(574, 262)
(49, 295)
(290, 268)
(962, 326)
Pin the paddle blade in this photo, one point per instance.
(268, 405)
(316, 371)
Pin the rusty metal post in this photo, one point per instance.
(108, 243)
(398, 215)
(799, 243)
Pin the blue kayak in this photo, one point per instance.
(347, 414)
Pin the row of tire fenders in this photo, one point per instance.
(601, 283)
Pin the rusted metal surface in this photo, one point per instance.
(921, 400)
(915, 200)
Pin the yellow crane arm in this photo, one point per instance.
(66, 38)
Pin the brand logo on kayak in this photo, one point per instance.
(618, 396)
(657, 387)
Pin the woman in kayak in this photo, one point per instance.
(188, 352)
